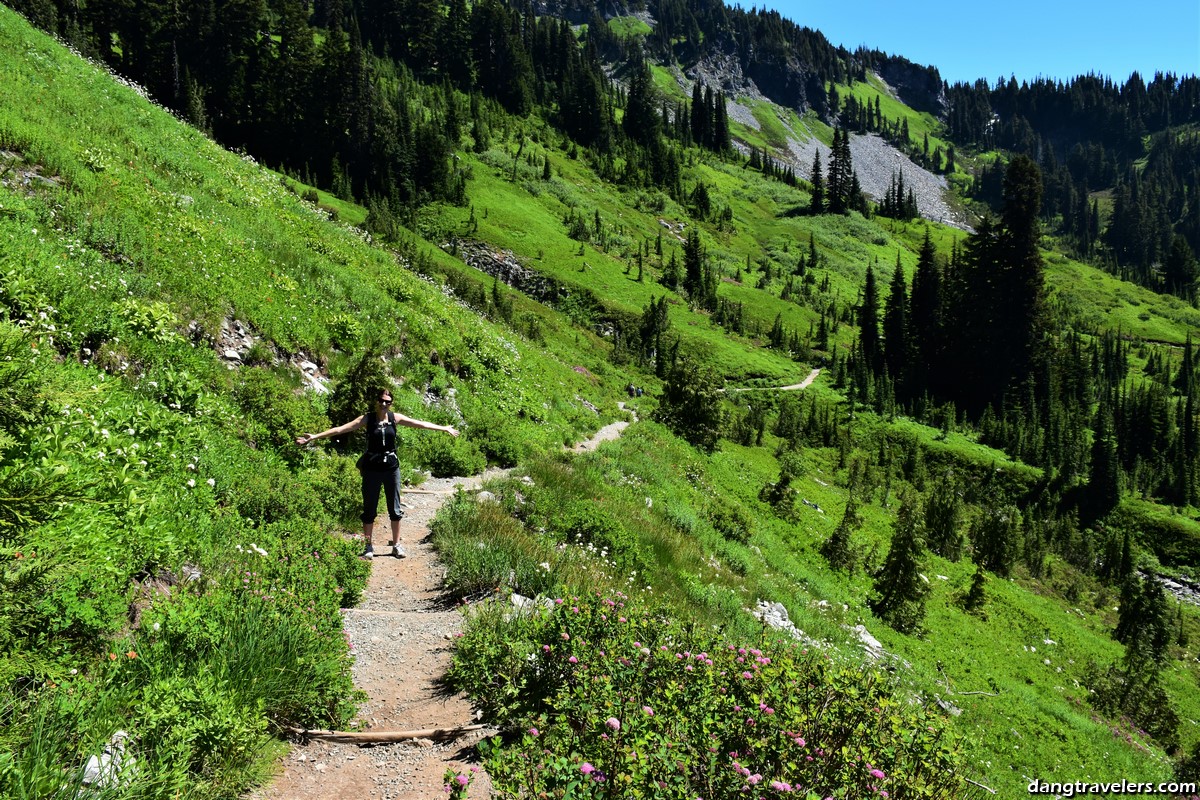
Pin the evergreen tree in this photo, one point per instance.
(1104, 489)
(690, 404)
(1143, 623)
(839, 549)
(841, 174)
(943, 518)
(899, 587)
(693, 268)
(1180, 269)
(925, 320)
(896, 352)
(642, 122)
(976, 597)
(868, 324)
(817, 203)
(701, 125)
(721, 140)
(995, 537)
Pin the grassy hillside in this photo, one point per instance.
(163, 539)
(162, 536)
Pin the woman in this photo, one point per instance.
(379, 465)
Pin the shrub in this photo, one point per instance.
(195, 724)
(274, 414)
(582, 522)
(605, 695)
(500, 440)
(730, 520)
(447, 457)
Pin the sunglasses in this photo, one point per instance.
(385, 400)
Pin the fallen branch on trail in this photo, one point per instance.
(380, 737)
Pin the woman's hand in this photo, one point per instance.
(450, 430)
(304, 439)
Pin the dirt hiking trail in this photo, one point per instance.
(402, 634)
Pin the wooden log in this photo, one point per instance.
(380, 737)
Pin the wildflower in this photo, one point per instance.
(613, 723)
(191, 484)
(781, 786)
(648, 711)
(534, 732)
(461, 780)
(131, 654)
(211, 481)
(586, 768)
(877, 774)
(573, 660)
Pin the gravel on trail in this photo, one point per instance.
(401, 634)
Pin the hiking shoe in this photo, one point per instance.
(369, 553)
(398, 551)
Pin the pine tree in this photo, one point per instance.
(721, 140)
(1144, 623)
(841, 174)
(995, 537)
(925, 320)
(693, 268)
(868, 324)
(1104, 489)
(976, 597)
(943, 518)
(896, 354)
(900, 588)
(839, 549)
(701, 133)
(817, 204)
(691, 404)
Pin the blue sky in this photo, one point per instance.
(1052, 38)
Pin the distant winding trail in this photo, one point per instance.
(804, 384)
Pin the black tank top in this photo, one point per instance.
(381, 436)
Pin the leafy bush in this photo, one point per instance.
(194, 723)
(607, 696)
(274, 414)
(581, 522)
(447, 457)
(500, 440)
(730, 520)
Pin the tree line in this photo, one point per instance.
(1089, 135)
